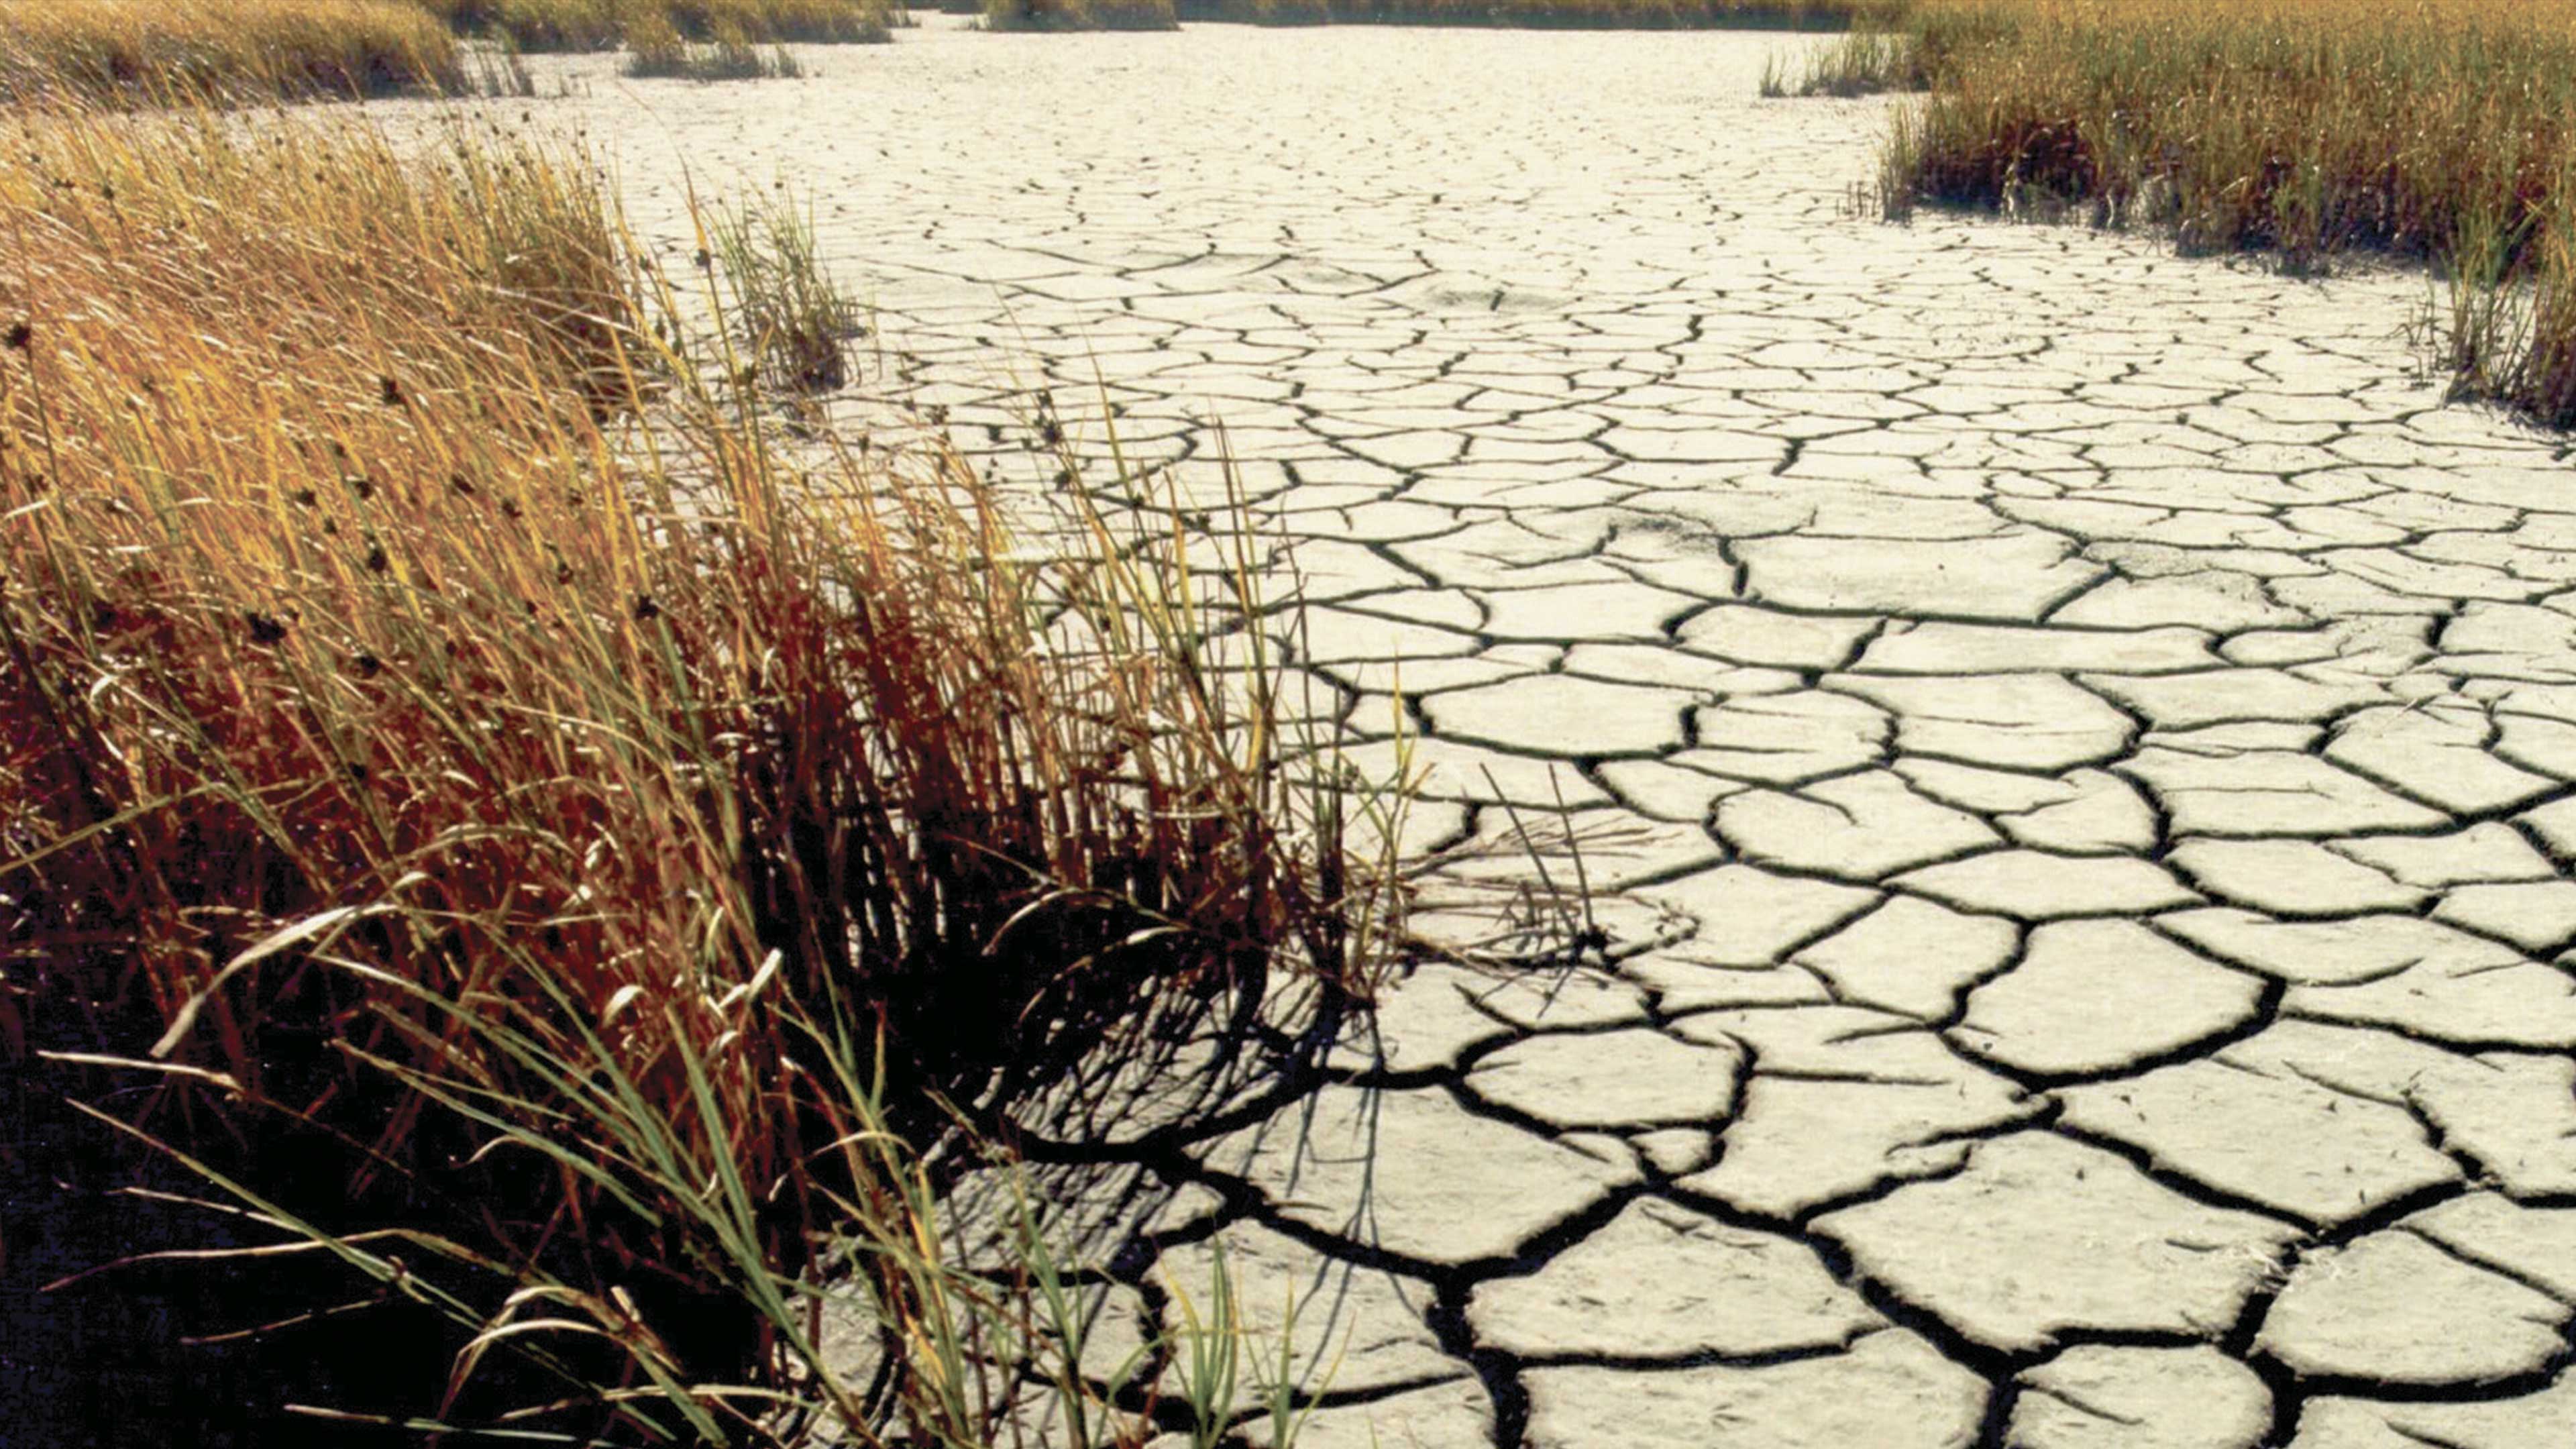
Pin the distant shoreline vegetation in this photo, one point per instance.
(147, 49)
(156, 52)
(583, 25)
(1823, 15)
(163, 51)
(1811, 15)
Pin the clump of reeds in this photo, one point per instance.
(656, 50)
(2438, 131)
(157, 51)
(1858, 63)
(541, 850)
(793, 318)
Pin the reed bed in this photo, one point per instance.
(159, 50)
(1557, 14)
(656, 51)
(552, 25)
(565, 872)
(1535, 14)
(2438, 130)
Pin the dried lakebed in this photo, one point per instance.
(2085, 737)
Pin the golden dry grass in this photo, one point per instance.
(481, 784)
(163, 49)
(600, 24)
(2439, 129)
(158, 51)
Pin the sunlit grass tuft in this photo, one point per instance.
(1858, 63)
(654, 50)
(159, 50)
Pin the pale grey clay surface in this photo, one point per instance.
(2076, 741)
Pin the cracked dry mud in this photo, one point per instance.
(2078, 741)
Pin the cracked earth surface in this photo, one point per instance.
(2078, 741)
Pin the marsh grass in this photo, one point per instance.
(2437, 131)
(1068, 15)
(731, 57)
(559, 25)
(654, 50)
(563, 868)
(1858, 63)
(182, 52)
(793, 318)
(499, 72)
(155, 51)
(1555, 14)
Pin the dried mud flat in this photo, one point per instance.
(2085, 737)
